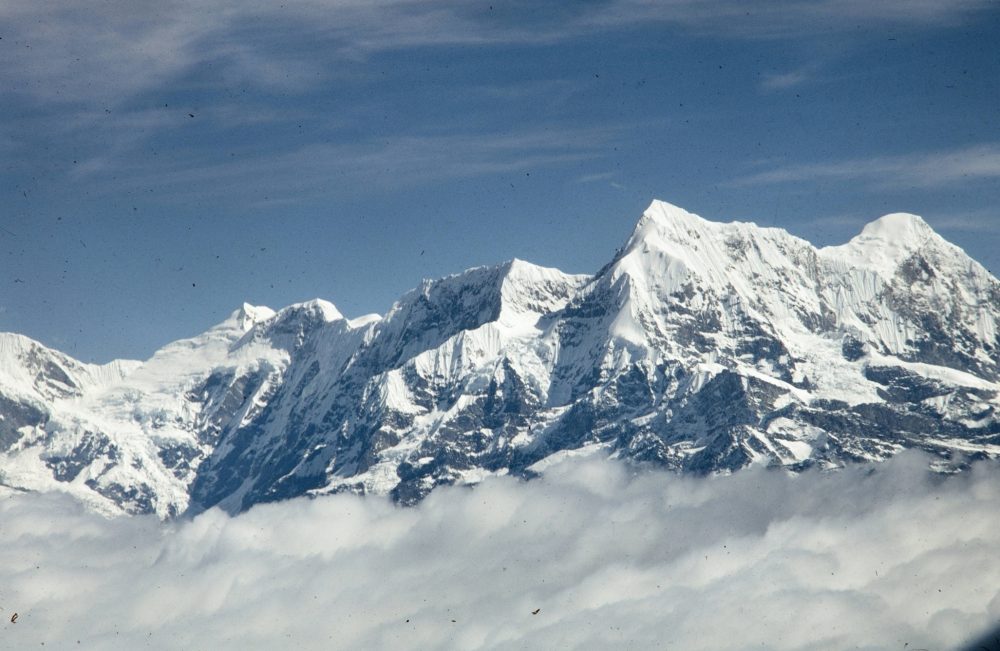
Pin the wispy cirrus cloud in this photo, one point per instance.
(784, 80)
(970, 221)
(63, 51)
(372, 165)
(785, 18)
(101, 78)
(924, 170)
(596, 177)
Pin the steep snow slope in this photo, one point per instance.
(128, 435)
(701, 346)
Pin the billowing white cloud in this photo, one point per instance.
(594, 555)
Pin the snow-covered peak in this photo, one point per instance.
(255, 322)
(666, 211)
(898, 227)
(661, 244)
(250, 315)
(289, 327)
(27, 368)
(669, 228)
(480, 294)
(884, 243)
(662, 218)
(529, 287)
(13, 345)
(671, 248)
(516, 267)
(317, 308)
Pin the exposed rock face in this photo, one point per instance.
(701, 347)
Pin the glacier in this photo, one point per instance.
(701, 347)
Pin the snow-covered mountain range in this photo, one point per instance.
(700, 347)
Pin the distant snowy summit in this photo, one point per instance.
(701, 347)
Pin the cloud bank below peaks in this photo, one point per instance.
(593, 555)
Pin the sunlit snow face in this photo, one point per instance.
(591, 556)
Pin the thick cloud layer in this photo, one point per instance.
(594, 555)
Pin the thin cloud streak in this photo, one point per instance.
(922, 170)
(973, 221)
(394, 163)
(783, 81)
(116, 60)
(595, 177)
(110, 53)
(784, 18)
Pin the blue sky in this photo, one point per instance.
(164, 162)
